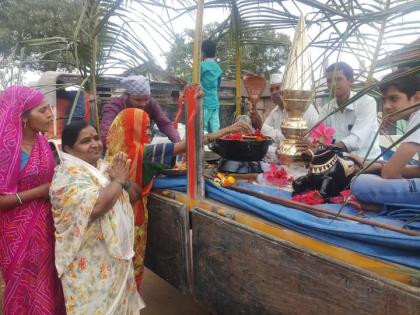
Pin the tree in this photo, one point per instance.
(23, 20)
(91, 36)
(264, 51)
(179, 58)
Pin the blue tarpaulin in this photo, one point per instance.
(362, 238)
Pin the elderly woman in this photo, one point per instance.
(94, 226)
(26, 223)
(129, 133)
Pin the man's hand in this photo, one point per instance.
(256, 120)
(356, 159)
(304, 147)
(239, 126)
(341, 145)
(197, 86)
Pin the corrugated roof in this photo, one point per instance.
(406, 56)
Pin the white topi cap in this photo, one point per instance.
(276, 78)
(137, 85)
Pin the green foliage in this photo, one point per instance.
(179, 57)
(23, 20)
(264, 51)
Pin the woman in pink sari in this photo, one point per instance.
(26, 224)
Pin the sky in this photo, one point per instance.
(186, 21)
(217, 15)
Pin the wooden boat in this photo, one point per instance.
(236, 263)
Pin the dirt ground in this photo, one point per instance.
(163, 299)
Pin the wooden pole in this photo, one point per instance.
(238, 97)
(195, 152)
(310, 209)
(194, 128)
(197, 43)
(94, 105)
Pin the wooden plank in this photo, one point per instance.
(168, 241)
(379, 268)
(240, 271)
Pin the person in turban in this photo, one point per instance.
(137, 95)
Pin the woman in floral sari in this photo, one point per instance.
(129, 133)
(94, 226)
(26, 224)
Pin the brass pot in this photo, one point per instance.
(294, 127)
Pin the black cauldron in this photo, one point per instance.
(241, 150)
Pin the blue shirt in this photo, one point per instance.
(24, 158)
(211, 76)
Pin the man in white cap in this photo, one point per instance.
(271, 126)
(137, 94)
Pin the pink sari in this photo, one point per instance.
(27, 231)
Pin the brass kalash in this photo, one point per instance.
(297, 93)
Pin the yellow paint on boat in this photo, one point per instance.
(382, 268)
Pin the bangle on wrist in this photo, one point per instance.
(123, 185)
(18, 199)
(127, 185)
(118, 182)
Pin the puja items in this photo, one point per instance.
(277, 175)
(256, 135)
(313, 197)
(321, 135)
(238, 147)
(297, 92)
(329, 173)
(224, 180)
(319, 211)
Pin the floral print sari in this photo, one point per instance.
(93, 256)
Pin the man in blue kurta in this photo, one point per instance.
(211, 76)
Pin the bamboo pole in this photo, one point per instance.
(195, 152)
(197, 43)
(93, 105)
(238, 77)
(195, 143)
(310, 209)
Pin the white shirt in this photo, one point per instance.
(413, 121)
(271, 126)
(356, 126)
